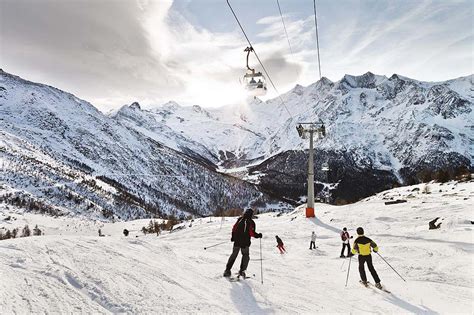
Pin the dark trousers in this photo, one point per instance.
(312, 245)
(344, 245)
(367, 259)
(281, 248)
(245, 258)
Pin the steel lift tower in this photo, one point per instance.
(305, 131)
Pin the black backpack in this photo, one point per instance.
(240, 227)
(241, 232)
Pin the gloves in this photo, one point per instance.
(258, 235)
(376, 250)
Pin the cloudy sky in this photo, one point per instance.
(114, 52)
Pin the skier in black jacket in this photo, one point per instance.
(242, 230)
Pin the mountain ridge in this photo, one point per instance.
(419, 126)
(416, 122)
(90, 150)
(387, 87)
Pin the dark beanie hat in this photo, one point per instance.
(248, 213)
(360, 231)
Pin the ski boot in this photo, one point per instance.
(242, 274)
(227, 273)
(342, 256)
(364, 283)
(378, 286)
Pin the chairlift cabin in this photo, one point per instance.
(254, 82)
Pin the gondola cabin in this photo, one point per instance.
(255, 83)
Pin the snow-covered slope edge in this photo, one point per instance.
(71, 269)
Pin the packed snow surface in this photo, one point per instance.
(73, 270)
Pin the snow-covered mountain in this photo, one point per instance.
(380, 131)
(59, 153)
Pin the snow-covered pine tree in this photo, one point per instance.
(26, 231)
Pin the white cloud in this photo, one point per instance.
(112, 53)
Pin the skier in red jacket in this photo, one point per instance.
(280, 245)
(242, 230)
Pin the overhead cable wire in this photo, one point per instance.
(284, 26)
(317, 37)
(286, 33)
(259, 61)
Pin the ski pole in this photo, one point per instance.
(261, 261)
(391, 266)
(348, 269)
(215, 245)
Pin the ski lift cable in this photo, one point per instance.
(317, 37)
(291, 50)
(259, 61)
(284, 26)
(286, 33)
(319, 58)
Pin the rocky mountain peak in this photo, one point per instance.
(135, 105)
(367, 80)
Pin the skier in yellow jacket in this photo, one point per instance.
(363, 246)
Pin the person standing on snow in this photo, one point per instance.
(280, 244)
(362, 246)
(242, 230)
(345, 242)
(312, 244)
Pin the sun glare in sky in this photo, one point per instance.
(192, 51)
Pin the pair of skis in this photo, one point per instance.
(238, 277)
(370, 285)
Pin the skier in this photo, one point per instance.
(312, 244)
(242, 230)
(362, 246)
(345, 242)
(280, 245)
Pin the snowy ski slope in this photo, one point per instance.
(72, 270)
